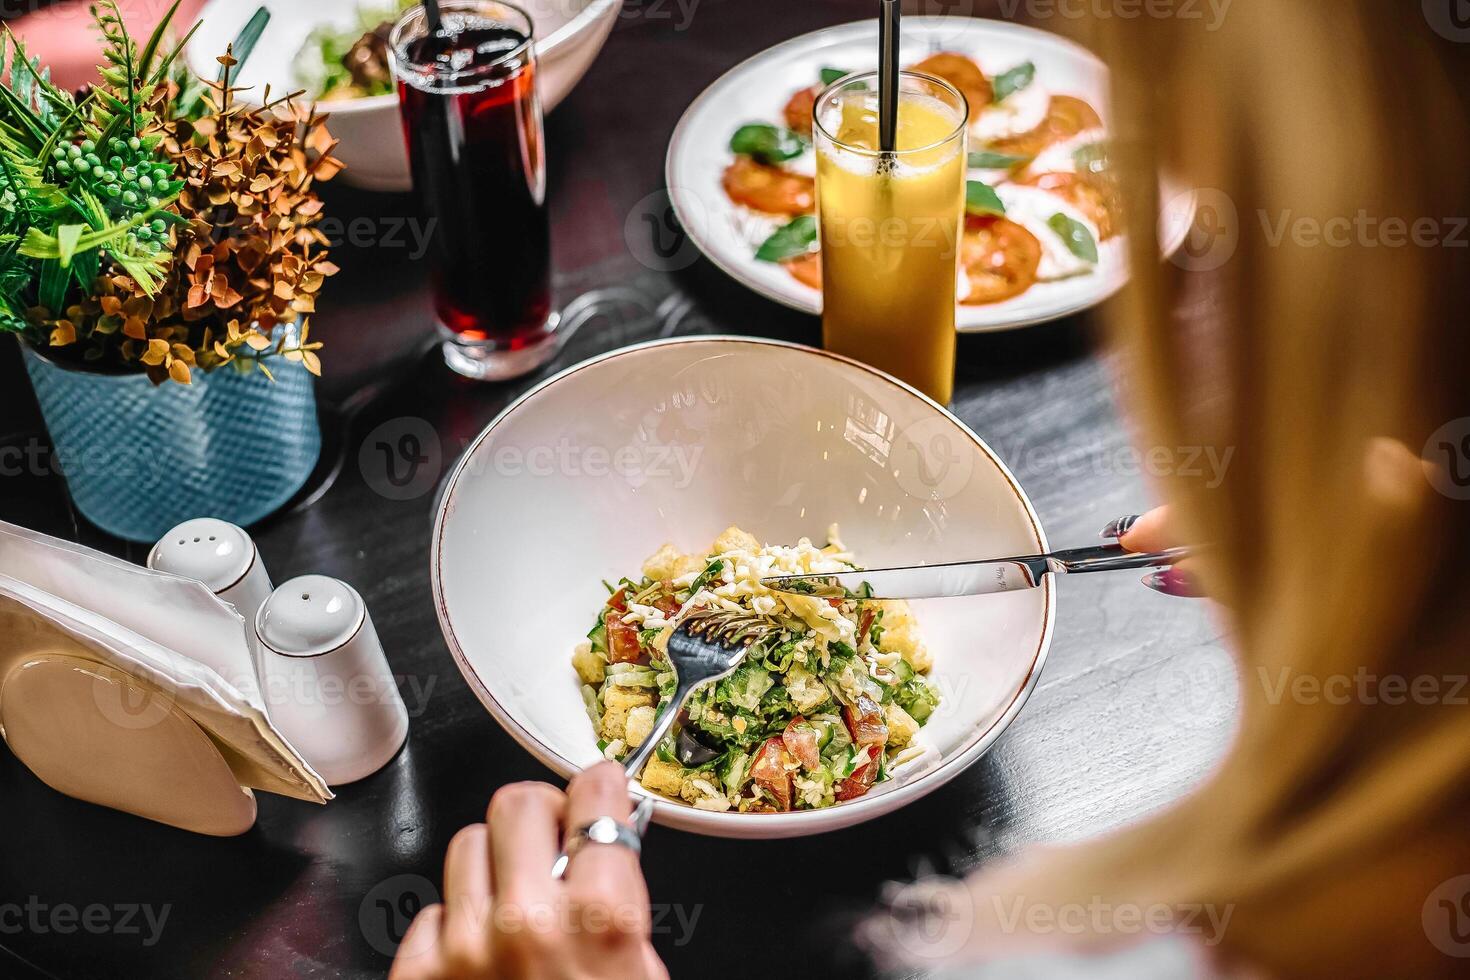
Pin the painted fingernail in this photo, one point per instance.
(1174, 582)
(1117, 528)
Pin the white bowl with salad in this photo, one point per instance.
(336, 51)
(568, 543)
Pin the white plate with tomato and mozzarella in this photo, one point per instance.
(1042, 236)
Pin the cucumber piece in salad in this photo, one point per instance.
(734, 770)
(745, 687)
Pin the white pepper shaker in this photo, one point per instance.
(327, 683)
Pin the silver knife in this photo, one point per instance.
(972, 577)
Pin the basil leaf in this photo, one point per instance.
(766, 143)
(830, 75)
(1007, 83)
(1091, 157)
(796, 238)
(990, 160)
(1074, 233)
(981, 198)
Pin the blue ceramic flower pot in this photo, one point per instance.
(139, 458)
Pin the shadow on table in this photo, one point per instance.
(980, 358)
(113, 890)
(817, 890)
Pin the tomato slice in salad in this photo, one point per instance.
(666, 603)
(800, 739)
(769, 771)
(622, 639)
(865, 722)
(857, 784)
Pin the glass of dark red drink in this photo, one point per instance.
(472, 120)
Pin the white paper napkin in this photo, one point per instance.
(170, 631)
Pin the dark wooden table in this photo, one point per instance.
(1136, 703)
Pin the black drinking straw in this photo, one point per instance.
(887, 74)
(431, 15)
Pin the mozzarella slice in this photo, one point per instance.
(1019, 113)
(1059, 158)
(1032, 208)
(806, 164)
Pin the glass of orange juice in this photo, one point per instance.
(890, 225)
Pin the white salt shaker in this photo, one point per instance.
(220, 555)
(327, 683)
(225, 559)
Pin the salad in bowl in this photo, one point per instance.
(825, 706)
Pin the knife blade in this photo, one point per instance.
(970, 577)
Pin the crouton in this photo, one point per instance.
(734, 539)
(896, 613)
(689, 565)
(589, 664)
(639, 724)
(662, 777)
(617, 702)
(626, 698)
(663, 563)
(901, 727)
(904, 640)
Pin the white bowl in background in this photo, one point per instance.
(589, 472)
(569, 34)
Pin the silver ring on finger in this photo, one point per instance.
(605, 830)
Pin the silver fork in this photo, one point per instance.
(707, 645)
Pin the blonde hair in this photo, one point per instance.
(1326, 367)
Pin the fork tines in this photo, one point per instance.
(728, 626)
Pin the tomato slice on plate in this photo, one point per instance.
(806, 269)
(798, 111)
(961, 72)
(769, 189)
(1066, 116)
(999, 258)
